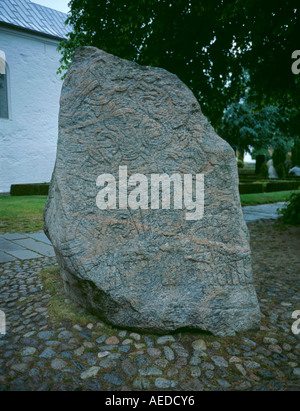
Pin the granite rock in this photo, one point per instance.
(144, 268)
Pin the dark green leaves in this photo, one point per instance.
(210, 44)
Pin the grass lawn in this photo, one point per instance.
(265, 198)
(24, 214)
(21, 214)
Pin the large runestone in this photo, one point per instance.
(146, 269)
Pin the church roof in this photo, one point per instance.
(24, 14)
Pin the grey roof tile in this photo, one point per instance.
(31, 16)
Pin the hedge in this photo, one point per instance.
(269, 187)
(248, 171)
(282, 186)
(251, 188)
(29, 189)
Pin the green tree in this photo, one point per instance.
(296, 153)
(244, 126)
(291, 213)
(219, 48)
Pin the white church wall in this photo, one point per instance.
(28, 138)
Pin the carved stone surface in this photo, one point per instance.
(146, 269)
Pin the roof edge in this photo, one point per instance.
(30, 31)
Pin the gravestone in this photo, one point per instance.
(148, 268)
(272, 170)
(295, 171)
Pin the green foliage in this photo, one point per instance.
(250, 188)
(281, 171)
(29, 189)
(260, 160)
(285, 185)
(279, 157)
(291, 214)
(264, 171)
(221, 50)
(240, 164)
(296, 153)
(256, 152)
(241, 155)
(243, 126)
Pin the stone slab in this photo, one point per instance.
(40, 236)
(37, 246)
(5, 258)
(8, 246)
(13, 236)
(25, 254)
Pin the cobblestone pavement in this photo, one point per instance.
(41, 352)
